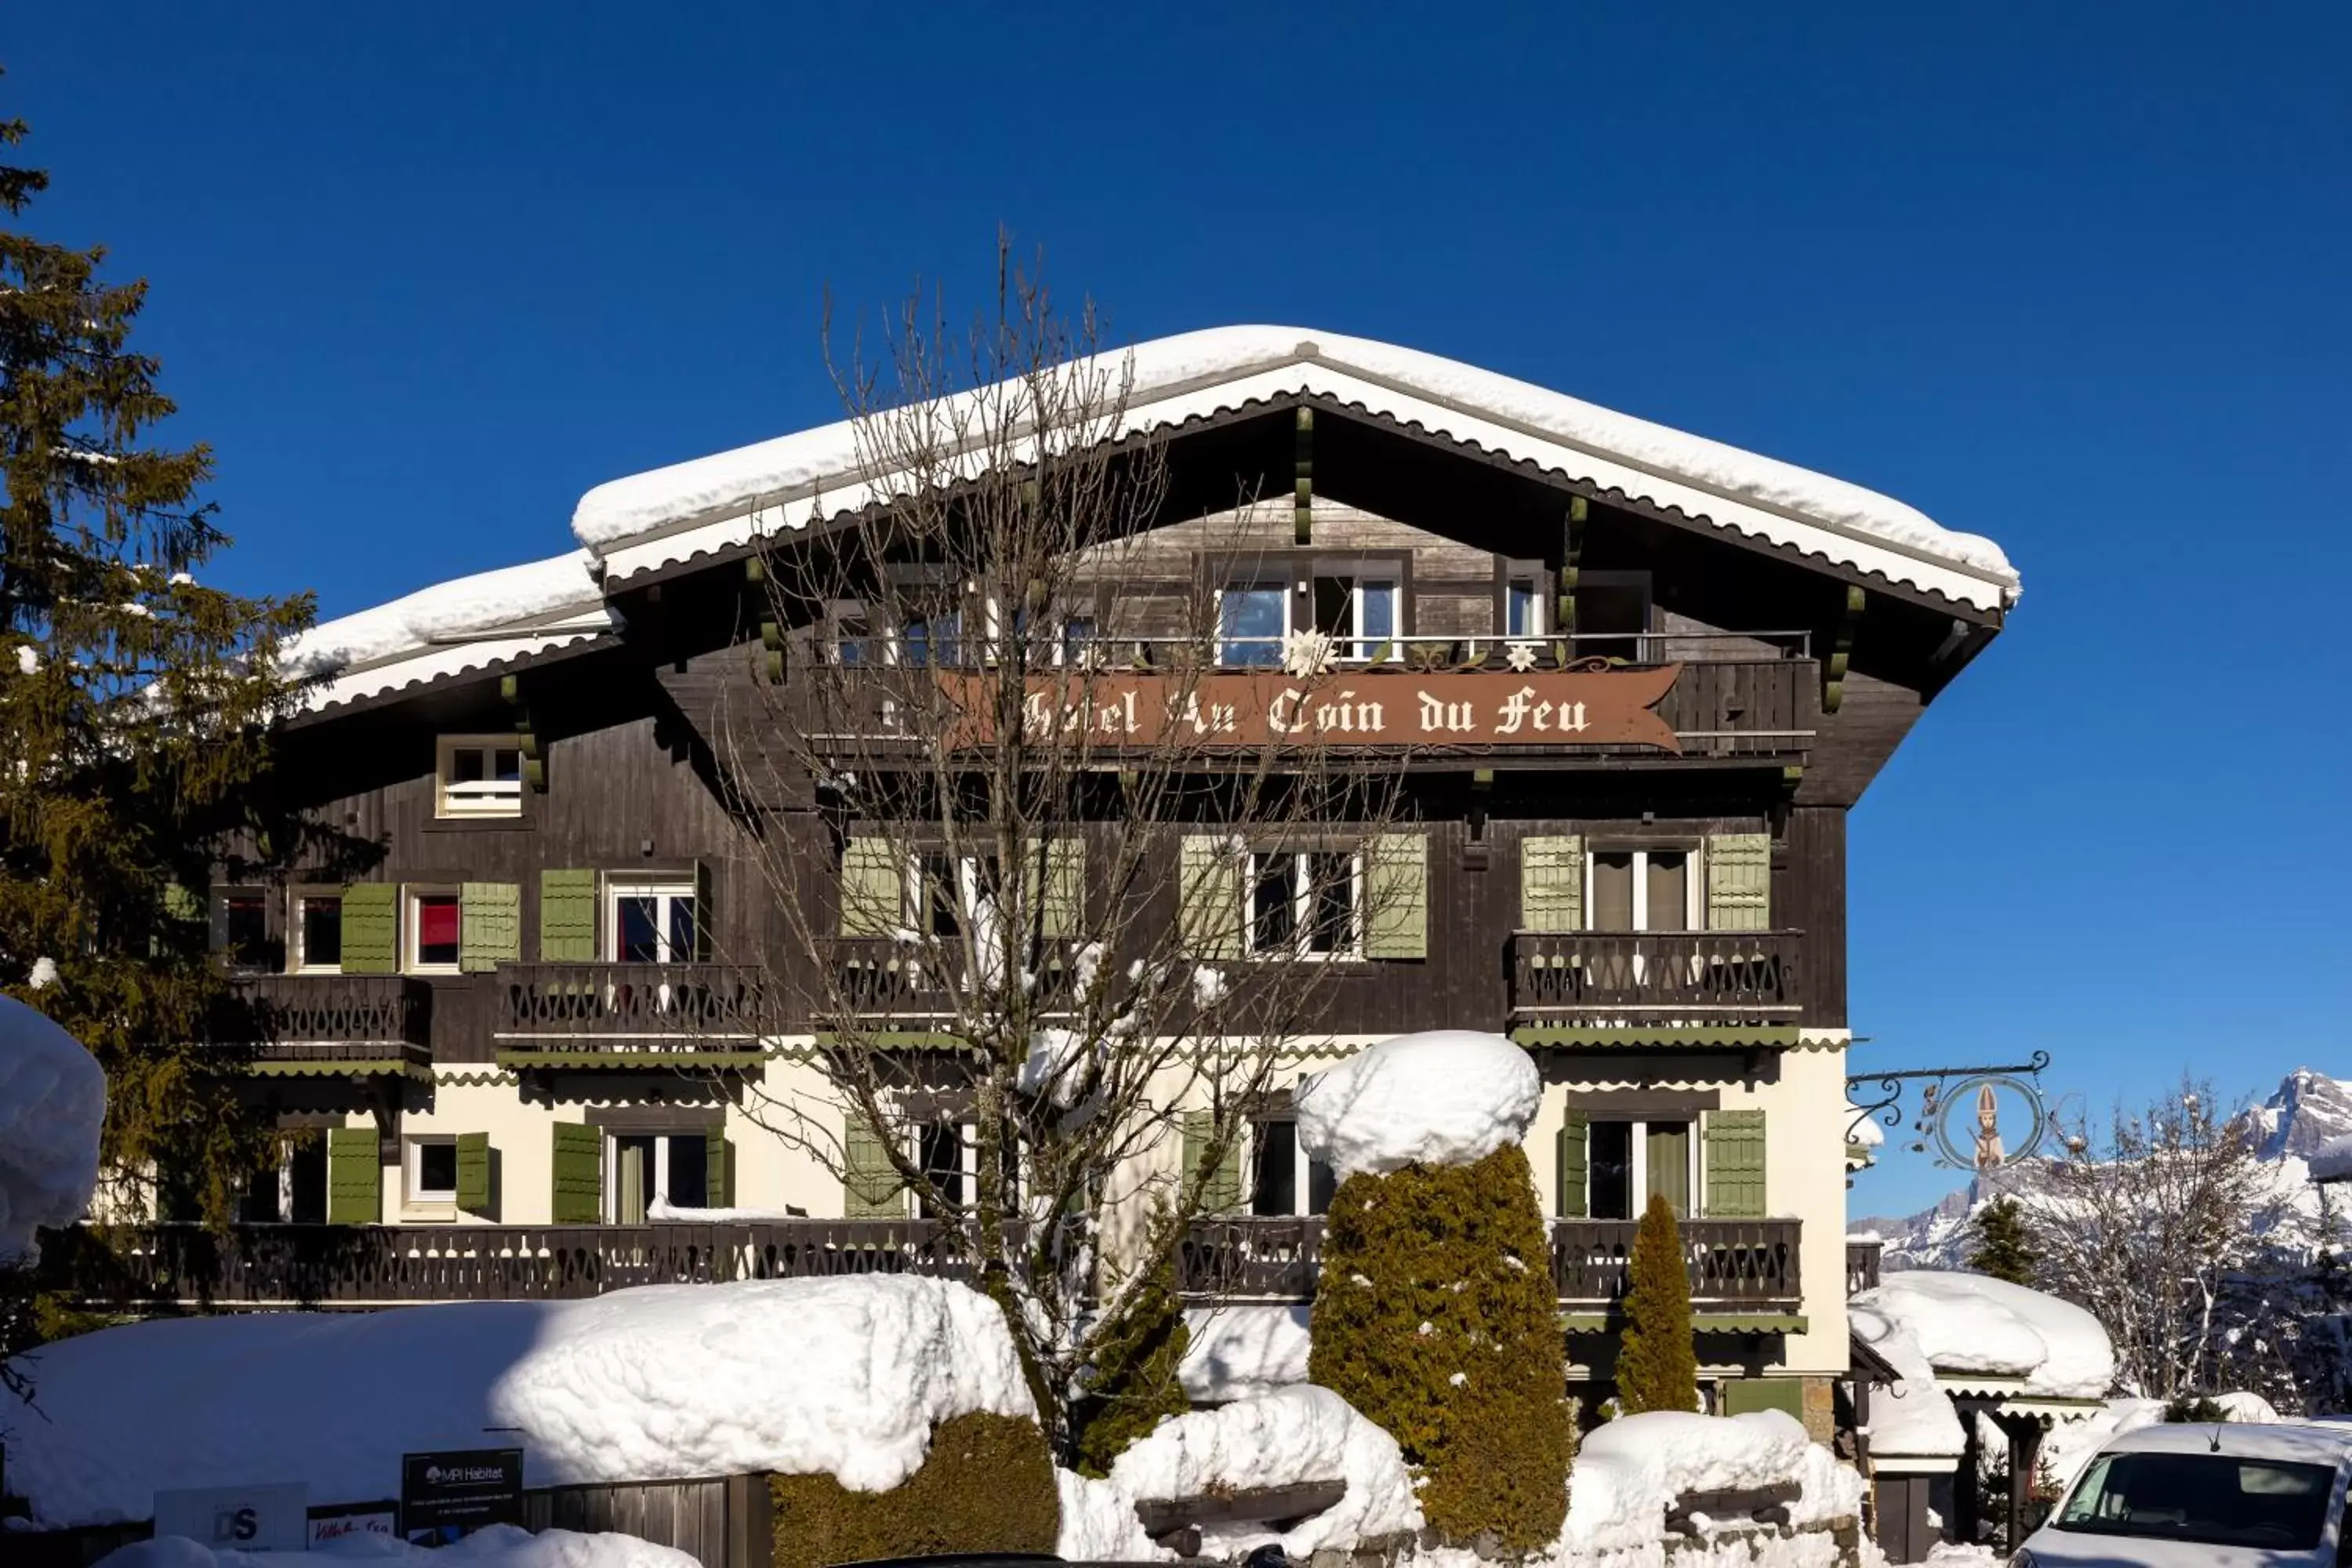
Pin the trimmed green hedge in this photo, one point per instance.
(987, 1486)
(1435, 1318)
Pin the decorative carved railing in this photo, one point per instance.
(1732, 1264)
(654, 1008)
(278, 1017)
(878, 978)
(1862, 1259)
(1703, 977)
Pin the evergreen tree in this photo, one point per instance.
(134, 704)
(2003, 1248)
(1657, 1360)
(1135, 1384)
(1434, 1316)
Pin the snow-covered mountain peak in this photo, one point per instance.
(2307, 1111)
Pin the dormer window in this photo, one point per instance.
(480, 776)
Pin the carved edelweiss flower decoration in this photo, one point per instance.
(1306, 653)
(1520, 657)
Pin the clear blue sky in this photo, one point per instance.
(2075, 276)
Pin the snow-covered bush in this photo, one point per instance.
(52, 1106)
(499, 1546)
(987, 1485)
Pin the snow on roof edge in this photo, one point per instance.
(528, 598)
(685, 495)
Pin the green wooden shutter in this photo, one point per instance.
(870, 1188)
(1733, 1145)
(1739, 881)
(489, 925)
(1573, 1145)
(1222, 1194)
(579, 1174)
(1666, 1157)
(1208, 896)
(705, 912)
(474, 1172)
(873, 889)
(718, 1170)
(1396, 887)
(372, 928)
(1062, 909)
(567, 916)
(1551, 883)
(354, 1176)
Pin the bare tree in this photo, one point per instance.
(2149, 1227)
(1090, 877)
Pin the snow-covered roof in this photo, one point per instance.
(1981, 1333)
(467, 624)
(667, 516)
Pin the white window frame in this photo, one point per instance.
(1302, 1170)
(669, 889)
(1242, 583)
(967, 1155)
(412, 907)
(488, 798)
(658, 1176)
(1637, 1179)
(1302, 907)
(1534, 584)
(1357, 643)
(1694, 904)
(298, 956)
(226, 957)
(413, 1192)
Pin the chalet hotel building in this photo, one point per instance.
(518, 1043)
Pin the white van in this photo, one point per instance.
(2223, 1496)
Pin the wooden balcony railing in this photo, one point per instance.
(654, 1008)
(1699, 977)
(1862, 1265)
(878, 978)
(325, 1017)
(1733, 1263)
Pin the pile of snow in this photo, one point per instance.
(1289, 1437)
(844, 1376)
(1443, 1096)
(2332, 1162)
(52, 1107)
(447, 611)
(1630, 1471)
(1915, 1418)
(1967, 1324)
(498, 1546)
(661, 1211)
(1241, 1352)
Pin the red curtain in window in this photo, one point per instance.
(436, 922)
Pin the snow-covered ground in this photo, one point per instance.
(1239, 1353)
(52, 1108)
(499, 1546)
(1442, 1097)
(846, 1376)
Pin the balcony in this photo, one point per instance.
(1709, 697)
(1735, 1266)
(1862, 1262)
(326, 1024)
(1685, 980)
(632, 1014)
(879, 980)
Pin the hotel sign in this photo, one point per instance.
(1343, 708)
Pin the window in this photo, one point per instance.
(294, 1193)
(941, 889)
(480, 776)
(433, 927)
(241, 917)
(934, 640)
(432, 1176)
(1627, 1162)
(645, 1168)
(1306, 901)
(318, 932)
(1274, 1160)
(2211, 1500)
(1358, 613)
(849, 642)
(1640, 889)
(1252, 617)
(651, 920)
(1612, 609)
(1522, 608)
(944, 1151)
(1078, 639)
